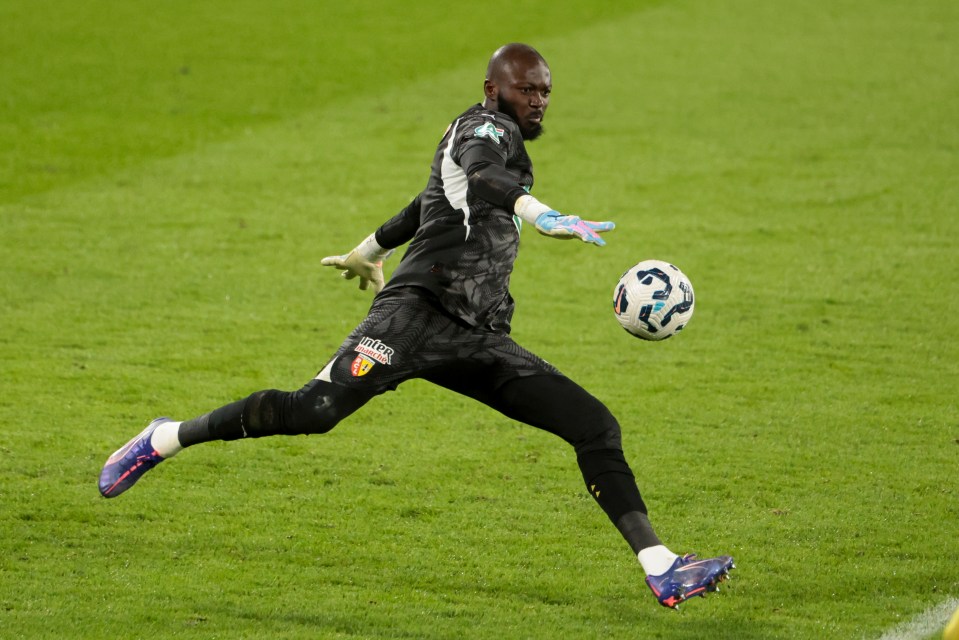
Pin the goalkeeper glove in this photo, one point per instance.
(364, 262)
(552, 223)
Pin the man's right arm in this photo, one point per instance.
(401, 228)
(366, 260)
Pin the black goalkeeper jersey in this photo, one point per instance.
(463, 246)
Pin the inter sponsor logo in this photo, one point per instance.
(375, 350)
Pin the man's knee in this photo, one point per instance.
(314, 409)
(559, 405)
(601, 432)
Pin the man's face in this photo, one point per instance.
(524, 95)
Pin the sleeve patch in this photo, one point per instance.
(489, 130)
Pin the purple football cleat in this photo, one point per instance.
(129, 462)
(689, 577)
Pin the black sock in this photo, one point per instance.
(638, 532)
(225, 423)
(611, 483)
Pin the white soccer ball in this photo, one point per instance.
(653, 300)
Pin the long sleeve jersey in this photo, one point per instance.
(464, 236)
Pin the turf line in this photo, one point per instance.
(924, 624)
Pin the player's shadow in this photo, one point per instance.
(691, 622)
(696, 619)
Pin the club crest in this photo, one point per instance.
(361, 366)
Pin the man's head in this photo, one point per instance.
(518, 84)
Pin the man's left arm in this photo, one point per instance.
(556, 225)
(489, 179)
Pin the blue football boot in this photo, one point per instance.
(129, 462)
(689, 577)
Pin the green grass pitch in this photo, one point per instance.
(172, 172)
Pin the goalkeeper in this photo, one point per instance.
(444, 316)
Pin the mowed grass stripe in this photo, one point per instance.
(93, 89)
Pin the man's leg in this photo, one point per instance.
(558, 405)
(316, 408)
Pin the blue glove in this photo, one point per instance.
(555, 224)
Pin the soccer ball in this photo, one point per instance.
(653, 300)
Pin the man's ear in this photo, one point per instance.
(491, 90)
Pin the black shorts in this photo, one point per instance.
(408, 335)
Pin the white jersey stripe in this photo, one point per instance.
(454, 180)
